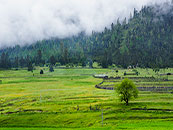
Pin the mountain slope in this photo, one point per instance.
(145, 40)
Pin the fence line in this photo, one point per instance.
(111, 87)
(107, 87)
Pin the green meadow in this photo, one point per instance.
(68, 99)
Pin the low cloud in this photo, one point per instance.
(24, 22)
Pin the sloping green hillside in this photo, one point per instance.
(146, 40)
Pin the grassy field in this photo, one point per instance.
(68, 99)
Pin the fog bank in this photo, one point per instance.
(24, 22)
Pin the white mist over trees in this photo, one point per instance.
(27, 21)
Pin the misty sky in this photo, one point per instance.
(27, 21)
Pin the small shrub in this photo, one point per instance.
(125, 73)
(67, 65)
(41, 72)
(168, 73)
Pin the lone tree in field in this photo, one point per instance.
(127, 90)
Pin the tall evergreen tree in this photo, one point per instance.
(52, 60)
(5, 61)
(39, 60)
(16, 62)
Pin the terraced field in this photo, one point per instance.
(67, 98)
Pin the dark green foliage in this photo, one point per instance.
(30, 66)
(125, 73)
(51, 68)
(41, 72)
(169, 74)
(52, 60)
(83, 64)
(16, 62)
(22, 62)
(144, 41)
(90, 64)
(38, 59)
(5, 61)
(156, 70)
(127, 90)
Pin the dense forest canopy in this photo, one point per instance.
(144, 40)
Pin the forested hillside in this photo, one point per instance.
(144, 40)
